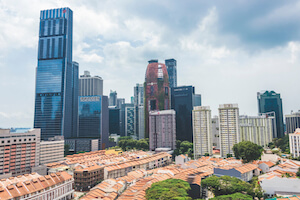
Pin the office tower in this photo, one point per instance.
(52, 150)
(229, 128)
(294, 140)
(90, 85)
(202, 131)
(112, 98)
(132, 100)
(269, 101)
(292, 122)
(20, 152)
(139, 121)
(156, 90)
(93, 109)
(215, 131)
(55, 75)
(114, 120)
(127, 120)
(162, 129)
(120, 101)
(171, 65)
(182, 101)
(256, 129)
(75, 93)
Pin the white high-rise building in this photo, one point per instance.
(162, 129)
(229, 128)
(294, 139)
(202, 131)
(257, 129)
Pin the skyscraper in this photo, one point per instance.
(93, 109)
(139, 121)
(56, 77)
(183, 100)
(162, 129)
(229, 128)
(292, 122)
(90, 85)
(114, 120)
(127, 120)
(202, 131)
(112, 98)
(156, 90)
(269, 101)
(171, 65)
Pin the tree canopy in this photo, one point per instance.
(282, 143)
(169, 189)
(298, 173)
(225, 185)
(248, 151)
(184, 147)
(235, 196)
(127, 143)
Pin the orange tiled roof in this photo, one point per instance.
(27, 184)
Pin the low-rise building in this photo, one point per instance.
(181, 159)
(150, 162)
(83, 144)
(87, 178)
(52, 150)
(19, 152)
(244, 172)
(36, 187)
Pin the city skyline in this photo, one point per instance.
(209, 53)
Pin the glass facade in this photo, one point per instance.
(270, 101)
(56, 76)
(171, 65)
(182, 101)
(114, 121)
(90, 116)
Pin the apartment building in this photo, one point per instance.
(33, 186)
(292, 122)
(19, 152)
(52, 150)
(257, 129)
(294, 139)
(87, 178)
(229, 128)
(162, 129)
(202, 131)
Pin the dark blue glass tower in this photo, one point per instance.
(183, 99)
(171, 65)
(270, 101)
(56, 79)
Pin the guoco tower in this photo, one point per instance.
(156, 90)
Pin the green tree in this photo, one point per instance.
(298, 173)
(169, 189)
(248, 151)
(235, 196)
(66, 150)
(184, 147)
(282, 143)
(225, 185)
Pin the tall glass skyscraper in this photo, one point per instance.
(56, 76)
(171, 65)
(269, 101)
(183, 99)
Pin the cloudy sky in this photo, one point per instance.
(228, 51)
